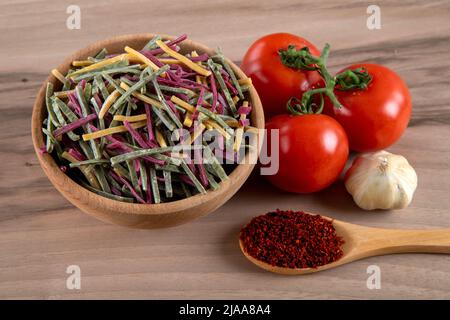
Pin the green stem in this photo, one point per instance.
(307, 96)
(349, 74)
(302, 59)
(322, 64)
(330, 82)
(353, 79)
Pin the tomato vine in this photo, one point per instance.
(356, 79)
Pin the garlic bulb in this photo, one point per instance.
(381, 180)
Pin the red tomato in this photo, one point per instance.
(313, 150)
(275, 82)
(376, 117)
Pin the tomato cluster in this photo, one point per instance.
(366, 107)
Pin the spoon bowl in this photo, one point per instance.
(363, 242)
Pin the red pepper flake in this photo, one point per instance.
(292, 239)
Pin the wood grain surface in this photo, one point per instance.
(41, 234)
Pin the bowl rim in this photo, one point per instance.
(57, 177)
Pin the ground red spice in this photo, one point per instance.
(292, 239)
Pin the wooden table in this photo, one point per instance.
(41, 233)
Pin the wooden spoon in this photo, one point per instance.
(362, 242)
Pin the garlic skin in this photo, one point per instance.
(381, 180)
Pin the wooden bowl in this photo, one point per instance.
(134, 214)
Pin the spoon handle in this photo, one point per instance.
(384, 241)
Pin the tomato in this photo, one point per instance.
(313, 149)
(275, 82)
(376, 117)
